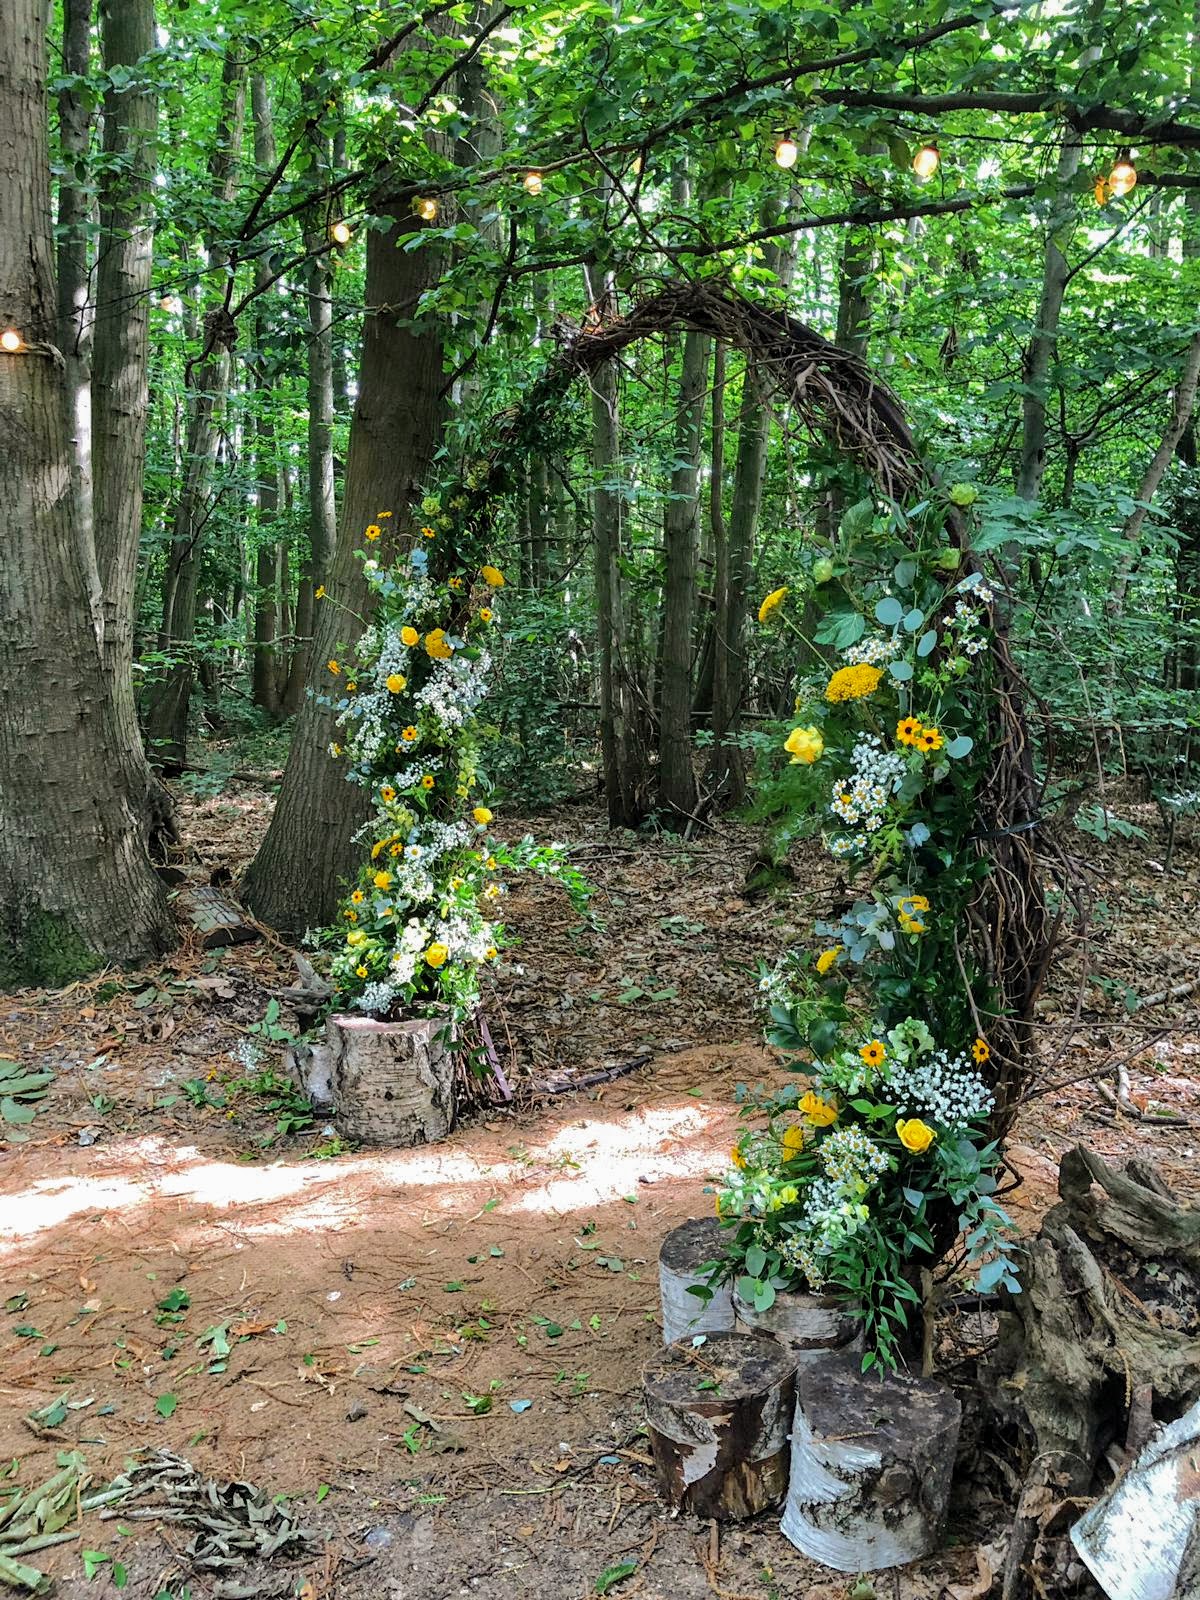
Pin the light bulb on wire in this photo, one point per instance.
(533, 183)
(341, 233)
(786, 153)
(927, 160)
(426, 207)
(11, 342)
(1123, 176)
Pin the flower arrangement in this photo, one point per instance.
(881, 1158)
(422, 919)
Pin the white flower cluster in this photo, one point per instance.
(860, 799)
(247, 1053)
(850, 1160)
(870, 652)
(944, 1087)
(455, 688)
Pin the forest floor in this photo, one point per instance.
(432, 1356)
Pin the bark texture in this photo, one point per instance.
(809, 1325)
(685, 1251)
(76, 886)
(392, 1082)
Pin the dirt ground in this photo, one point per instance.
(433, 1355)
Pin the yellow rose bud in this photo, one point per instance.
(804, 745)
(437, 955)
(482, 816)
(409, 636)
(396, 683)
(915, 1135)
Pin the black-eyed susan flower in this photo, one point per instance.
(873, 1054)
(908, 730)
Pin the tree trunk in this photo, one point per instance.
(169, 702)
(676, 775)
(719, 537)
(685, 1252)
(76, 885)
(121, 395)
(295, 880)
(264, 677)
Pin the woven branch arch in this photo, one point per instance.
(838, 399)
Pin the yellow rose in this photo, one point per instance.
(772, 603)
(436, 645)
(409, 636)
(827, 959)
(356, 938)
(819, 1112)
(396, 683)
(482, 816)
(915, 1135)
(437, 955)
(383, 880)
(493, 577)
(804, 745)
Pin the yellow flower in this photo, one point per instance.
(482, 816)
(350, 916)
(408, 734)
(929, 739)
(320, 594)
(819, 1112)
(490, 863)
(358, 896)
(427, 781)
(827, 959)
(409, 636)
(492, 890)
(456, 583)
(352, 687)
(437, 955)
(493, 577)
(873, 1054)
(490, 953)
(333, 667)
(387, 793)
(981, 1050)
(792, 1142)
(804, 745)
(396, 682)
(356, 938)
(853, 683)
(335, 750)
(908, 730)
(396, 849)
(383, 880)
(915, 1135)
(738, 1159)
(383, 514)
(374, 531)
(913, 902)
(910, 924)
(360, 972)
(436, 645)
(484, 614)
(430, 533)
(772, 603)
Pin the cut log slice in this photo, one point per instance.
(686, 1250)
(719, 1416)
(872, 1459)
(809, 1325)
(392, 1082)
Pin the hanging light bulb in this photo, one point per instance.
(786, 153)
(11, 341)
(341, 233)
(426, 207)
(533, 183)
(1123, 176)
(927, 159)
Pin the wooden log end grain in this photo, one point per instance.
(719, 1415)
(872, 1459)
(685, 1251)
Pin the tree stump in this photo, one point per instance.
(872, 1458)
(392, 1082)
(809, 1325)
(685, 1250)
(719, 1416)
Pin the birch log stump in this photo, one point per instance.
(872, 1459)
(685, 1250)
(809, 1325)
(392, 1082)
(719, 1417)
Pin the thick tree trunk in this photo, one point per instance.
(295, 880)
(121, 397)
(76, 886)
(676, 775)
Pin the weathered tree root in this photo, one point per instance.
(1087, 1356)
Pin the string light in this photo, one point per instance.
(11, 341)
(341, 233)
(533, 183)
(1123, 176)
(927, 159)
(786, 153)
(426, 207)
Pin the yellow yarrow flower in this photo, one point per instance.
(436, 645)
(792, 1142)
(493, 577)
(772, 603)
(827, 959)
(437, 955)
(853, 683)
(915, 1135)
(804, 745)
(396, 683)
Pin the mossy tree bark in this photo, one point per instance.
(76, 884)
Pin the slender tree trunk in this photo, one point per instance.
(121, 398)
(295, 880)
(718, 538)
(76, 886)
(169, 702)
(264, 677)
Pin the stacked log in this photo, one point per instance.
(686, 1252)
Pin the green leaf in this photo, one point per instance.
(93, 1560)
(962, 746)
(888, 611)
(322, 1491)
(900, 670)
(927, 642)
(611, 1576)
(165, 1404)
